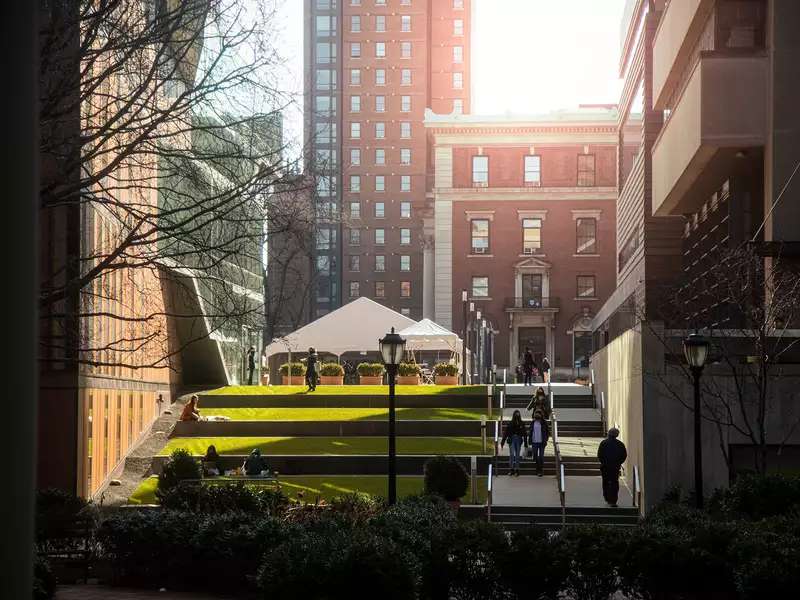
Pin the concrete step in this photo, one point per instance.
(517, 517)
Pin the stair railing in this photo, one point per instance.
(560, 477)
(496, 441)
(637, 489)
(489, 494)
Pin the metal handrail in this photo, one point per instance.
(489, 495)
(496, 441)
(562, 492)
(560, 473)
(637, 489)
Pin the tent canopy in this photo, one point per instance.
(355, 327)
(427, 335)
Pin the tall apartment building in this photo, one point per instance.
(372, 69)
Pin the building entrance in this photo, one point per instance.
(534, 338)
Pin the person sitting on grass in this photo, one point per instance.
(211, 462)
(190, 411)
(255, 464)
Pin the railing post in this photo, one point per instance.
(489, 398)
(483, 433)
(563, 496)
(489, 495)
(502, 401)
(473, 471)
(552, 402)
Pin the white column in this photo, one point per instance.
(428, 281)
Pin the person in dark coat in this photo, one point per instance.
(311, 370)
(251, 364)
(539, 402)
(255, 464)
(515, 435)
(545, 370)
(211, 462)
(538, 434)
(612, 454)
(528, 365)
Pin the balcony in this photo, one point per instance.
(721, 111)
(532, 304)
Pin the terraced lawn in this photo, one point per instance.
(346, 414)
(349, 390)
(326, 487)
(323, 445)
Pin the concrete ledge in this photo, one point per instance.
(446, 428)
(320, 401)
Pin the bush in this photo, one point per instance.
(445, 369)
(298, 369)
(331, 370)
(756, 497)
(766, 562)
(409, 370)
(444, 476)
(371, 369)
(476, 553)
(535, 544)
(222, 498)
(57, 513)
(179, 466)
(595, 552)
(44, 582)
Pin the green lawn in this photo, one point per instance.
(346, 414)
(349, 390)
(325, 486)
(326, 445)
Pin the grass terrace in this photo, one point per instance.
(348, 390)
(326, 487)
(326, 446)
(347, 414)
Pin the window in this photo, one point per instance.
(405, 77)
(380, 210)
(324, 239)
(324, 105)
(405, 23)
(480, 287)
(405, 156)
(380, 2)
(480, 236)
(586, 242)
(325, 159)
(380, 23)
(585, 170)
(533, 171)
(586, 288)
(326, 25)
(326, 79)
(355, 237)
(405, 183)
(380, 183)
(458, 4)
(380, 237)
(458, 54)
(354, 289)
(380, 49)
(355, 103)
(325, 186)
(458, 27)
(405, 103)
(405, 237)
(531, 236)
(405, 210)
(480, 171)
(458, 81)
(380, 289)
(355, 156)
(405, 49)
(355, 183)
(405, 130)
(380, 103)
(405, 262)
(355, 2)
(380, 156)
(355, 76)
(406, 312)
(355, 263)
(325, 4)
(324, 265)
(355, 130)
(380, 130)
(405, 289)
(458, 106)
(380, 263)
(355, 24)
(326, 53)
(355, 50)
(355, 210)
(380, 76)
(326, 133)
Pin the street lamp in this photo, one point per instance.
(464, 298)
(393, 348)
(695, 349)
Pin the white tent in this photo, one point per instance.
(355, 327)
(427, 335)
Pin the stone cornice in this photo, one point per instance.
(601, 194)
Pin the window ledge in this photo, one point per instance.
(586, 255)
(480, 255)
(480, 299)
(537, 255)
(584, 298)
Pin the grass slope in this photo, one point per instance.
(346, 414)
(349, 390)
(322, 445)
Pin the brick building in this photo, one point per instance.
(524, 221)
(372, 69)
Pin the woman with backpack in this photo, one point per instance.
(515, 434)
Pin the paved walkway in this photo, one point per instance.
(563, 414)
(582, 492)
(570, 446)
(102, 592)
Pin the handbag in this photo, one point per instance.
(529, 451)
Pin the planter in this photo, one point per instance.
(407, 380)
(446, 379)
(293, 380)
(265, 379)
(331, 379)
(370, 379)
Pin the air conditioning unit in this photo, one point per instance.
(528, 251)
(480, 250)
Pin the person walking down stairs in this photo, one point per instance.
(612, 454)
(538, 435)
(515, 434)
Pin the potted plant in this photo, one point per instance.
(408, 374)
(370, 373)
(264, 376)
(331, 374)
(446, 477)
(445, 374)
(297, 376)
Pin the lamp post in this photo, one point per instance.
(393, 348)
(464, 339)
(478, 357)
(695, 349)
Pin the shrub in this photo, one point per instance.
(757, 497)
(445, 369)
(57, 513)
(476, 553)
(223, 498)
(765, 563)
(298, 369)
(179, 466)
(44, 581)
(371, 369)
(595, 552)
(535, 544)
(331, 370)
(408, 370)
(445, 477)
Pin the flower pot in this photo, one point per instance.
(370, 379)
(407, 380)
(446, 379)
(293, 380)
(331, 379)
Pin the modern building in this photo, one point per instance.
(524, 222)
(372, 69)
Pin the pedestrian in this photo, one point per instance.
(311, 370)
(538, 435)
(251, 364)
(545, 370)
(515, 434)
(255, 464)
(539, 403)
(211, 462)
(190, 411)
(528, 365)
(612, 454)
